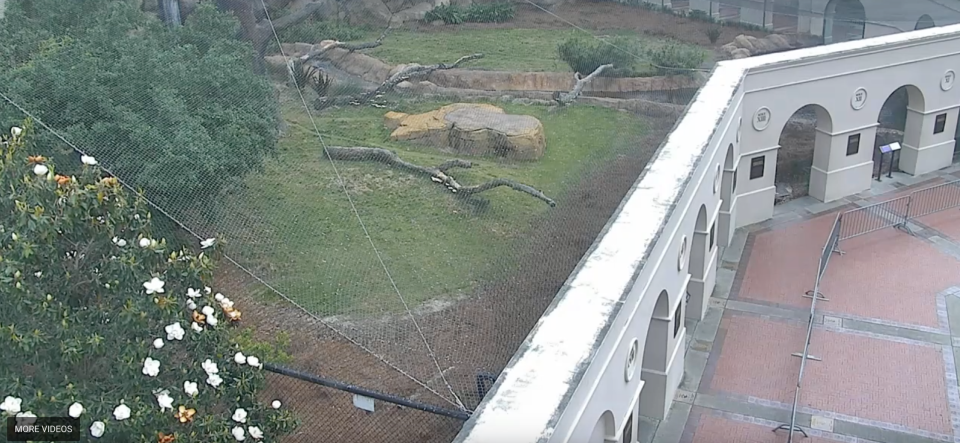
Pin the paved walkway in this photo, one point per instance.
(887, 338)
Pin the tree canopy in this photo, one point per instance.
(177, 112)
(101, 321)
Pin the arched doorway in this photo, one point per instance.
(924, 22)
(728, 189)
(807, 131)
(843, 21)
(703, 238)
(656, 354)
(892, 122)
(605, 430)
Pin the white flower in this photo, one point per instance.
(40, 170)
(226, 303)
(207, 289)
(210, 367)
(255, 432)
(26, 418)
(174, 331)
(88, 160)
(219, 297)
(240, 415)
(238, 433)
(165, 401)
(190, 388)
(275, 404)
(121, 412)
(191, 305)
(207, 243)
(75, 410)
(212, 320)
(121, 242)
(196, 327)
(214, 380)
(144, 242)
(207, 310)
(38, 274)
(11, 405)
(158, 343)
(253, 361)
(96, 429)
(239, 358)
(193, 293)
(154, 286)
(16, 131)
(151, 367)
(14, 236)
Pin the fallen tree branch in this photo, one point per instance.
(437, 174)
(565, 98)
(349, 46)
(394, 80)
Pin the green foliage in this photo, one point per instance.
(497, 12)
(315, 31)
(675, 59)
(713, 34)
(450, 14)
(81, 312)
(695, 14)
(178, 113)
(702, 16)
(584, 56)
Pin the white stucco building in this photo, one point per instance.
(610, 346)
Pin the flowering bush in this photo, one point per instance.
(101, 322)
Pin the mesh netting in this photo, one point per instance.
(381, 236)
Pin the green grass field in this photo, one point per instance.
(503, 49)
(295, 225)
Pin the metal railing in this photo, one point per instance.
(897, 212)
(828, 249)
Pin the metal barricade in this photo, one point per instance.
(934, 199)
(828, 249)
(860, 221)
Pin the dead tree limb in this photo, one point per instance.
(394, 80)
(437, 174)
(565, 98)
(348, 46)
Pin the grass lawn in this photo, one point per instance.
(503, 49)
(295, 226)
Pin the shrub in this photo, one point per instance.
(317, 31)
(498, 12)
(696, 14)
(713, 34)
(584, 56)
(98, 321)
(450, 14)
(673, 59)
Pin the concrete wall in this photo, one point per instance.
(606, 350)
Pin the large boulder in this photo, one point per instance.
(472, 129)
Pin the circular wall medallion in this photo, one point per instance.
(761, 119)
(682, 258)
(946, 82)
(718, 178)
(859, 99)
(632, 355)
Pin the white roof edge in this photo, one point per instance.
(527, 399)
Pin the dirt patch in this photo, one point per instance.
(479, 334)
(608, 16)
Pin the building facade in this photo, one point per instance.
(610, 346)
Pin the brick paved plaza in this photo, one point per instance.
(886, 336)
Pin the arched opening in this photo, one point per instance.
(786, 16)
(924, 22)
(656, 352)
(893, 126)
(700, 248)
(806, 133)
(605, 430)
(843, 21)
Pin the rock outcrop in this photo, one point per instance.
(744, 46)
(472, 129)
